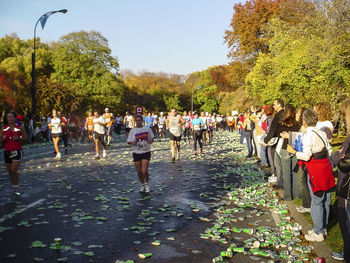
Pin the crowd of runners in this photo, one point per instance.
(140, 130)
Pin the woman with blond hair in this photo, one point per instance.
(324, 115)
(248, 127)
(341, 158)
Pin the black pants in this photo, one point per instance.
(197, 137)
(344, 227)
(118, 128)
(65, 139)
(187, 134)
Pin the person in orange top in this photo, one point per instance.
(89, 126)
(230, 122)
(109, 122)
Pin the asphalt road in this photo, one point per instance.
(95, 208)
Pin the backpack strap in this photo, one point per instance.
(321, 139)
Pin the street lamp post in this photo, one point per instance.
(42, 19)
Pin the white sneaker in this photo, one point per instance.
(104, 154)
(314, 237)
(324, 232)
(16, 191)
(272, 179)
(58, 156)
(302, 210)
(178, 156)
(142, 190)
(97, 156)
(147, 189)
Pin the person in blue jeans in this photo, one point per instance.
(343, 191)
(315, 154)
(248, 127)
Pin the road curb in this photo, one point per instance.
(321, 248)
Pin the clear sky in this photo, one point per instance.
(173, 36)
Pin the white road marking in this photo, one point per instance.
(5, 217)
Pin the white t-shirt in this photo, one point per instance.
(56, 127)
(97, 127)
(142, 136)
(119, 120)
(129, 121)
(326, 127)
(312, 143)
(205, 120)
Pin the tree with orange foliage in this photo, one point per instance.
(13, 91)
(247, 37)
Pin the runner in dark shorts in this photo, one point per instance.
(11, 135)
(141, 137)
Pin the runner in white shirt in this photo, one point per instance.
(205, 127)
(141, 137)
(55, 126)
(99, 132)
(174, 125)
(187, 127)
(155, 123)
(219, 123)
(161, 125)
(128, 123)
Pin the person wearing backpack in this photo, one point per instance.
(315, 157)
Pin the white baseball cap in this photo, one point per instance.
(106, 109)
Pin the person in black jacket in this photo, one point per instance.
(278, 105)
(343, 188)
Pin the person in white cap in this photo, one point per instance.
(109, 118)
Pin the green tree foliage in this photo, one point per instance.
(307, 62)
(75, 74)
(83, 61)
(155, 91)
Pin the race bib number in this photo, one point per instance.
(175, 131)
(141, 146)
(13, 154)
(196, 128)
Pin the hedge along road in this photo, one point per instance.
(95, 208)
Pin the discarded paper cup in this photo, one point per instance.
(227, 254)
(58, 243)
(238, 249)
(217, 259)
